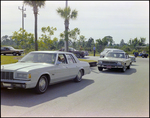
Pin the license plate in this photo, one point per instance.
(6, 84)
(108, 66)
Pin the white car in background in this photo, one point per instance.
(106, 50)
(38, 69)
(114, 60)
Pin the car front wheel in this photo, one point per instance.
(14, 54)
(129, 66)
(78, 55)
(19, 54)
(79, 76)
(42, 85)
(100, 68)
(124, 68)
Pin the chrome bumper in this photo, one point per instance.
(109, 66)
(15, 84)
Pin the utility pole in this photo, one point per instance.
(23, 15)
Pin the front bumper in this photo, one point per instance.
(133, 60)
(15, 84)
(109, 66)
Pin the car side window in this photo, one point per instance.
(71, 59)
(7, 48)
(62, 58)
(126, 55)
(2, 48)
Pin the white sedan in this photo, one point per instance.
(38, 69)
(114, 60)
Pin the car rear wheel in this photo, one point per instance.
(79, 76)
(82, 56)
(42, 85)
(100, 68)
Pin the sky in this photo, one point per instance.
(120, 19)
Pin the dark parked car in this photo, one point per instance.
(10, 50)
(143, 55)
(86, 53)
(76, 52)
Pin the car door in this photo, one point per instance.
(7, 50)
(128, 60)
(72, 65)
(61, 69)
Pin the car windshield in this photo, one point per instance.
(11, 48)
(72, 49)
(39, 58)
(115, 55)
(105, 51)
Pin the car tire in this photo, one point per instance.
(78, 78)
(128, 67)
(124, 68)
(42, 85)
(14, 54)
(100, 68)
(19, 54)
(78, 55)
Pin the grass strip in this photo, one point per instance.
(9, 59)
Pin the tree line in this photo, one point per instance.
(24, 40)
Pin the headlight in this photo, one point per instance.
(119, 63)
(99, 61)
(21, 75)
(25, 76)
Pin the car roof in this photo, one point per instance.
(113, 49)
(6, 46)
(116, 51)
(51, 52)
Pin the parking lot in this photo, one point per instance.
(109, 93)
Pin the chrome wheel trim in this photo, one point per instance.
(124, 68)
(42, 84)
(79, 75)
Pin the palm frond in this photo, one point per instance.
(34, 3)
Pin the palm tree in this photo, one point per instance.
(67, 15)
(35, 5)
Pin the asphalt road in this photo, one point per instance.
(100, 94)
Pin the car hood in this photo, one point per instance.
(131, 56)
(19, 49)
(24, 66)
(111, 59)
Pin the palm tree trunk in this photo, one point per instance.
(35, 31)
(66, 35)
(35, 9)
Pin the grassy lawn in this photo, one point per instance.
(90, 54)
(9, 59)
(14, 59)
(87, 60)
